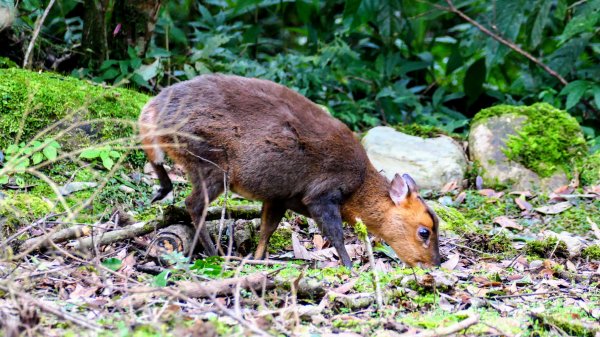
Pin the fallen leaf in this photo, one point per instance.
(300, 252)
(346, 287)
(571, 266)
(318, 241)
(523, 204)
(555, 209)
(460, 198)
(506, 222)
(452, 262)
(449, 187)
(445, 305)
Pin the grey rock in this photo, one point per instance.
(487, 140)
(76, 187)
(431, 162)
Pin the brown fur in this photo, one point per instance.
(278, 147)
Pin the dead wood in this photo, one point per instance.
(42, 242)
(175, 238)
(128, 232)
(225, 287)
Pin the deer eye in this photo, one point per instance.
(424, 233)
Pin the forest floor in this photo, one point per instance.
(502, 275)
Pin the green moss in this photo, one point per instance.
(592, 252)
(43, 98)
(499, 243)
(483, 209)
(543, 248)
(453, 220)
(590, 170)
(22, 208)
(550, 139)
(281, 240)
(423, 131)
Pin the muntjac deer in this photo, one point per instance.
(269, 143)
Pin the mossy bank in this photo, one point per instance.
(32, 101)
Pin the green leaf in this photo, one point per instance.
(90, 154)
(114, 154)
(50, 152)
(3, 180)
(37, 158)
(474, 78)
(540, 22)
(12, 148)
(161, 279)
(22, 164)
(574, 92)
(112, 263)
(107, 162)
(53, 143)
(455, 61)
(149, 71)
(596, 91)
(585, 21)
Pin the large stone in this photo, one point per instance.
(431, 162)
(487, 142)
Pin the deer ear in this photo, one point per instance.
(412, 186)
(399, 189)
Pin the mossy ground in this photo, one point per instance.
(30, 100)
(550, 139)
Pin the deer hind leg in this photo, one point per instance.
(272, 212)
(197, 200)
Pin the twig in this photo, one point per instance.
(467, 322)
(378, 296)
(36, 32)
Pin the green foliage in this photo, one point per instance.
(210, 266)
(368, 62)
(548, 140)
(161, 279)
(31, 101)
(105, 153)
(112, 263)
(591, 252)
(18, 157)
(543, 248)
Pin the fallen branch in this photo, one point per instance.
(225, 286)
(42, 242)
(467, 322)
(138, 229)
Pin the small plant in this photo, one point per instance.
(210, 266)
(105, 153)
(18, 157)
